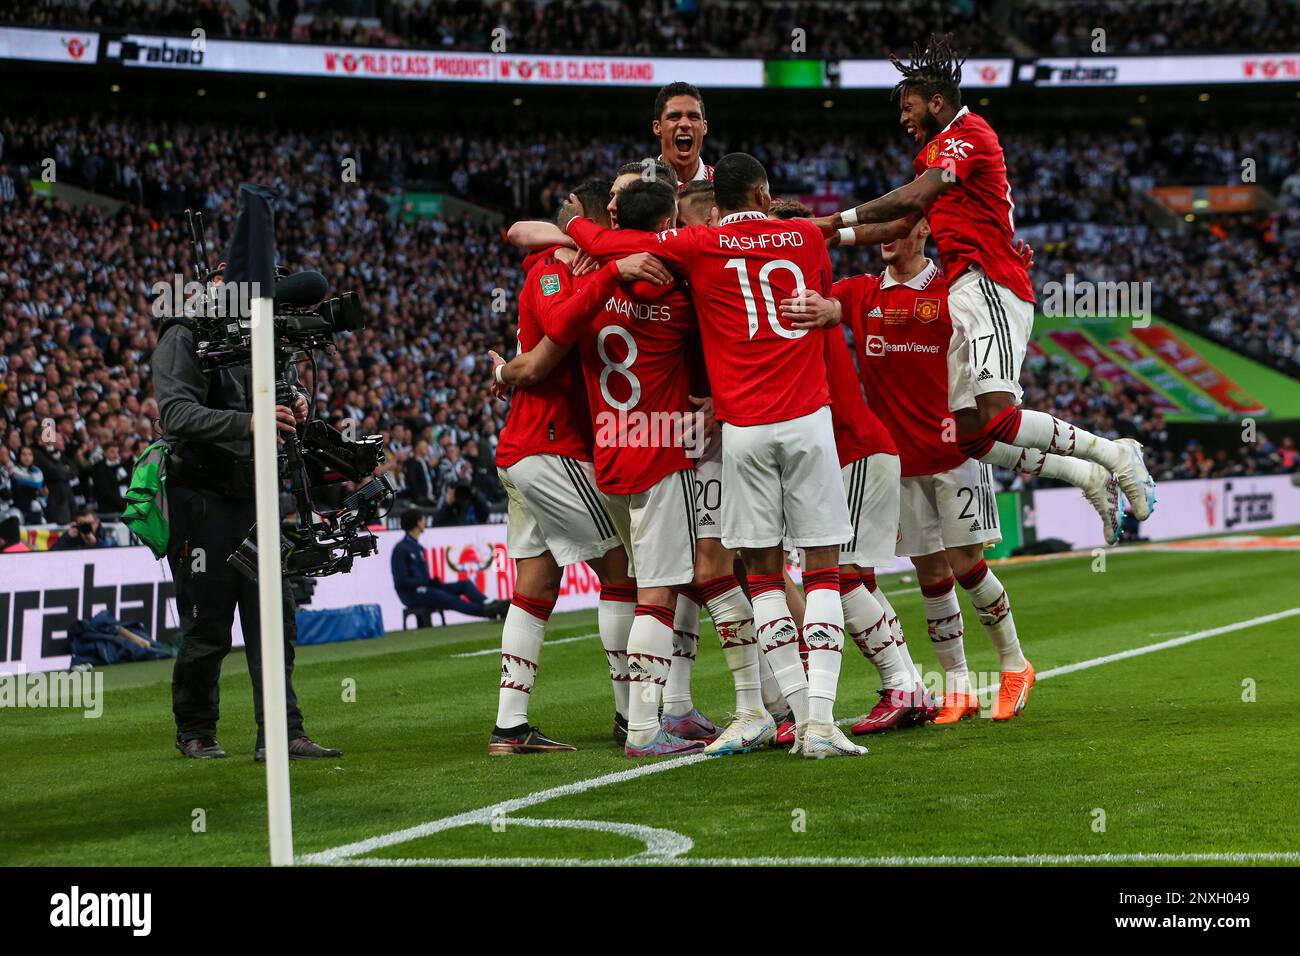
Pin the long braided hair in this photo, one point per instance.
(934, 68)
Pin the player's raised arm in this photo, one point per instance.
(865, 234)
(534, 234)
(908, 202)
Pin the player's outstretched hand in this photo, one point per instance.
(1026, 253)
(827, 225)
(808, 310)
(643, 265)
(569, 211)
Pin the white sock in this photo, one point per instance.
(649, 656)
(823, 633)
(773, 700)
(1040, 430)
(733, 619)
(614, 616)
(686, 639)
(866, 623)
(895, 625)
(994, 610)
(778, 639)
(943, 614)
(1031, 461)
(521, 647)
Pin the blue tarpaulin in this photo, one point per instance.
(354, 623)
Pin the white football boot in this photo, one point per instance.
(827, 740)
(1135, 480)
(744, 733)
(1102, 492)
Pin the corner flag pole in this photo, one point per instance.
(270, 595)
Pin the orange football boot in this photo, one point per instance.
(1014, 692)
(957, 707)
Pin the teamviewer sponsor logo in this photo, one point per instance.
(875, 345)
(76, 909)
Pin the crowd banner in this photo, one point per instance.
(1162, 70)
(447, 66)
(43, 594)
(74, 47)
(1185, 509)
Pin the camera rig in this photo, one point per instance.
(321, 540)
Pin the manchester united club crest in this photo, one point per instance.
(932, 153)
(926, 310)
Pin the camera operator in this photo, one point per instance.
(84, 532)
(206, 421)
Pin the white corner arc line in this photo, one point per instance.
(346, 854)
(485, 814)
(497, 650)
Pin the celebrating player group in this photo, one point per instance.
(687, 410)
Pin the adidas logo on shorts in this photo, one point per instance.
(975, 525)
(984, 375)
(706, 520)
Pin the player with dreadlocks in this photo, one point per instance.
(961, 188)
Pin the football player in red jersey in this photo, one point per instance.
(632, 348)
(961, 187)
(556, 515)
(769, 389)
(680, 127)
(949, 514)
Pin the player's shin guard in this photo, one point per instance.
(733, 619)
(943, 615)
(521, 647)
(895, 625)
(823, 632)
(867, 624)
(778, 639)
(649, 656)
(686, 639)
(614, 617)
(994, 610)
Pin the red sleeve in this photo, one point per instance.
(673, 246)
(564, 323)
(849, 292)
(962, 153)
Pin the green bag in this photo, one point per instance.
(146, 500)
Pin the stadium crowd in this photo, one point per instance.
(713, 27)
(77, 323)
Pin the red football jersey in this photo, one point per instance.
(738, 272)
(902, 332)
(551, 418)
(858, 432)
(973, 221)
(638, 384)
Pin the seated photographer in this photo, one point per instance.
(84, 532)
(417, 589)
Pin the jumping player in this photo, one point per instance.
(961, 187)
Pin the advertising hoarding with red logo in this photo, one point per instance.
(74, 47)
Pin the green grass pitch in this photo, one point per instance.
(1188, 751)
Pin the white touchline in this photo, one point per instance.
(346, 854)
(1033, 859)
(497, 650)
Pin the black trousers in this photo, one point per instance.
(206, 528)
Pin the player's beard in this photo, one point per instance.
(930, 126)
